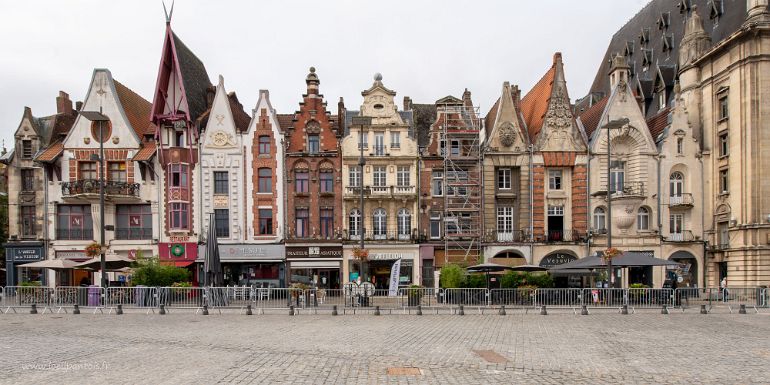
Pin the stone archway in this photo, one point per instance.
(688, 267)
(509, 258)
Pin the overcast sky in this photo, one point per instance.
(424, 49)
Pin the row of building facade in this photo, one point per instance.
(293, 195)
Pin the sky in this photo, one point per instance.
(424, 49)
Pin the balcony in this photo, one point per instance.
(379, 151)
(684, 200)
(516, 236)
(380, 190)
(386, 235)
(75, 234)
(135, 233)
(566, 235)
(310, 235)
(683, 236)
(89, 188)
(403, 190)
(628, 190)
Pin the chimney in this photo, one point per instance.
(63, 104)
(78, 105)
(618, 70)
(407, 103)
(467, 102)
(516, 94)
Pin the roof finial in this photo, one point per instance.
(377, 77)
(168, 13)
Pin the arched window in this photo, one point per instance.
(354, 224)
(379, 223)
(600, 219)
(404, 224)
(643, 219)
(676, 184)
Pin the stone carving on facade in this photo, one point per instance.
(507, 135)
(221, 139)
(558, 125)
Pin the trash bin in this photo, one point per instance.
(94, 295)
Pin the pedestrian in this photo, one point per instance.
(723, 286)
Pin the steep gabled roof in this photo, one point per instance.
(658, 123)
(194, 75)
(51, 152)
(535, 103)
(146, 152)
(590, 118)
(137, 110)
(286, 121)
(240, 118)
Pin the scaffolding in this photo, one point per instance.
(461, 149)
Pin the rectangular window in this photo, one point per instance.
(379, 143)
(455, 149)
(27, 179)
(265, 222)
(402, 176)
(133, 222)
(327, 181)
(302, 183)
(661, 99)
(724, 186)
(117, 171)
(723, 109)
(724, 235)
(264, 145)
(724, 144)
(222, 222)
(363, 140)
(457, 183)
(179, 216)
(354, 176)
(178, 138)
(327, 223)
(395, 139)
(74, 222)
(554, 179)
(220, 182)
(504, 179)
(617, 175)
(302, 222)
(676, 222)
(313, 144)
(379, 176)
(435, 225)
(680, 146)
(178, 175)
(504, 223)
(557, 211)
(437, 185)
(26, 149)
(87, 170)
(265, 180)
(28, 221)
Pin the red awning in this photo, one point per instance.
(177, 263)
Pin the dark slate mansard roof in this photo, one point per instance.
(195, 78)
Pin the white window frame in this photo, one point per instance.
(354, 176)
(402, 176)
(600, 219)
(395, 139)
(379, 176)
(437, 181)
(643, 219)
(504, 178)
(555, 179)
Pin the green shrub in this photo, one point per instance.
(451, 276)
(475, 281)
(638, 286)
(540, 280)
(149, 272)
(512, 279)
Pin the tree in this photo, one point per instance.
(149, 272)
(451, 276)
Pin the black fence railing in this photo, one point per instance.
(136, 233)
(75, 234)
(91, 186)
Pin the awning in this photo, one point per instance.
(240, 253)
(177, 263)
(315, 264)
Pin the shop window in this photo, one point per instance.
(133, 222)
(74, 222)
(265, 182)
(222, 222)
(221, 185)
(265, 222)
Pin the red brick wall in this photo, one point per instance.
(538, 207)
(264, 128)
(579, 198)
(428, 203)
(109, 156)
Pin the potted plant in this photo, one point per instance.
(414, 294)
(93, 249)
(297, 290)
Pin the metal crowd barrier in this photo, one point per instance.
(566, 298)
(82, 296)
(141, 297)
(470, 297)
(513, 297)
(190, 297)
(733, 297)
(25, 296)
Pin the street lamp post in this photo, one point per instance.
(617, 123)
(100, 118)
(361, 122)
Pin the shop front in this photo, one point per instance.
(18, 253)
(74, 277)
(250, 265)
(565, 278)
(315, 266)
(378, 266)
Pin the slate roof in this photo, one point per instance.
(240, 117)
(424, 117)
(734, 13)
(194, 76)
(535, 103)
(137, 110)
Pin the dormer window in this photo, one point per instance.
(716, 9)
(661, 98)
(629, 50)
(632, 70)
(646, 57)
(668, 43)
(663, 20)
(26, 149)
(684, 6)
(644, 37)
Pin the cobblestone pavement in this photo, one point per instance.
(314, 349)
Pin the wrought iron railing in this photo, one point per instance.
(75, 234)
(91, 186)
(684, 199)
(135, 233)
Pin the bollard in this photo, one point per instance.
(664, 310)
(205, 310)
(76, 310)
(291, 310)
(461, 311)
(334, 310)
(34, 309)
(119, 310)
(742, 310)
(543, 311)
(584, 310)
(248, 310)
(376, 310)
(502, 310)
(703, 309)
(419, 309)
(624, 309)
(162, 310)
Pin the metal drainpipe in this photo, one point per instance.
(702, 269)
(45, 215)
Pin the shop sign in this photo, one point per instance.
(389, 256)
(556, 259)
(71, 254)
(179, 239)
(250, 251)
(314, 252)
(26, 254)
